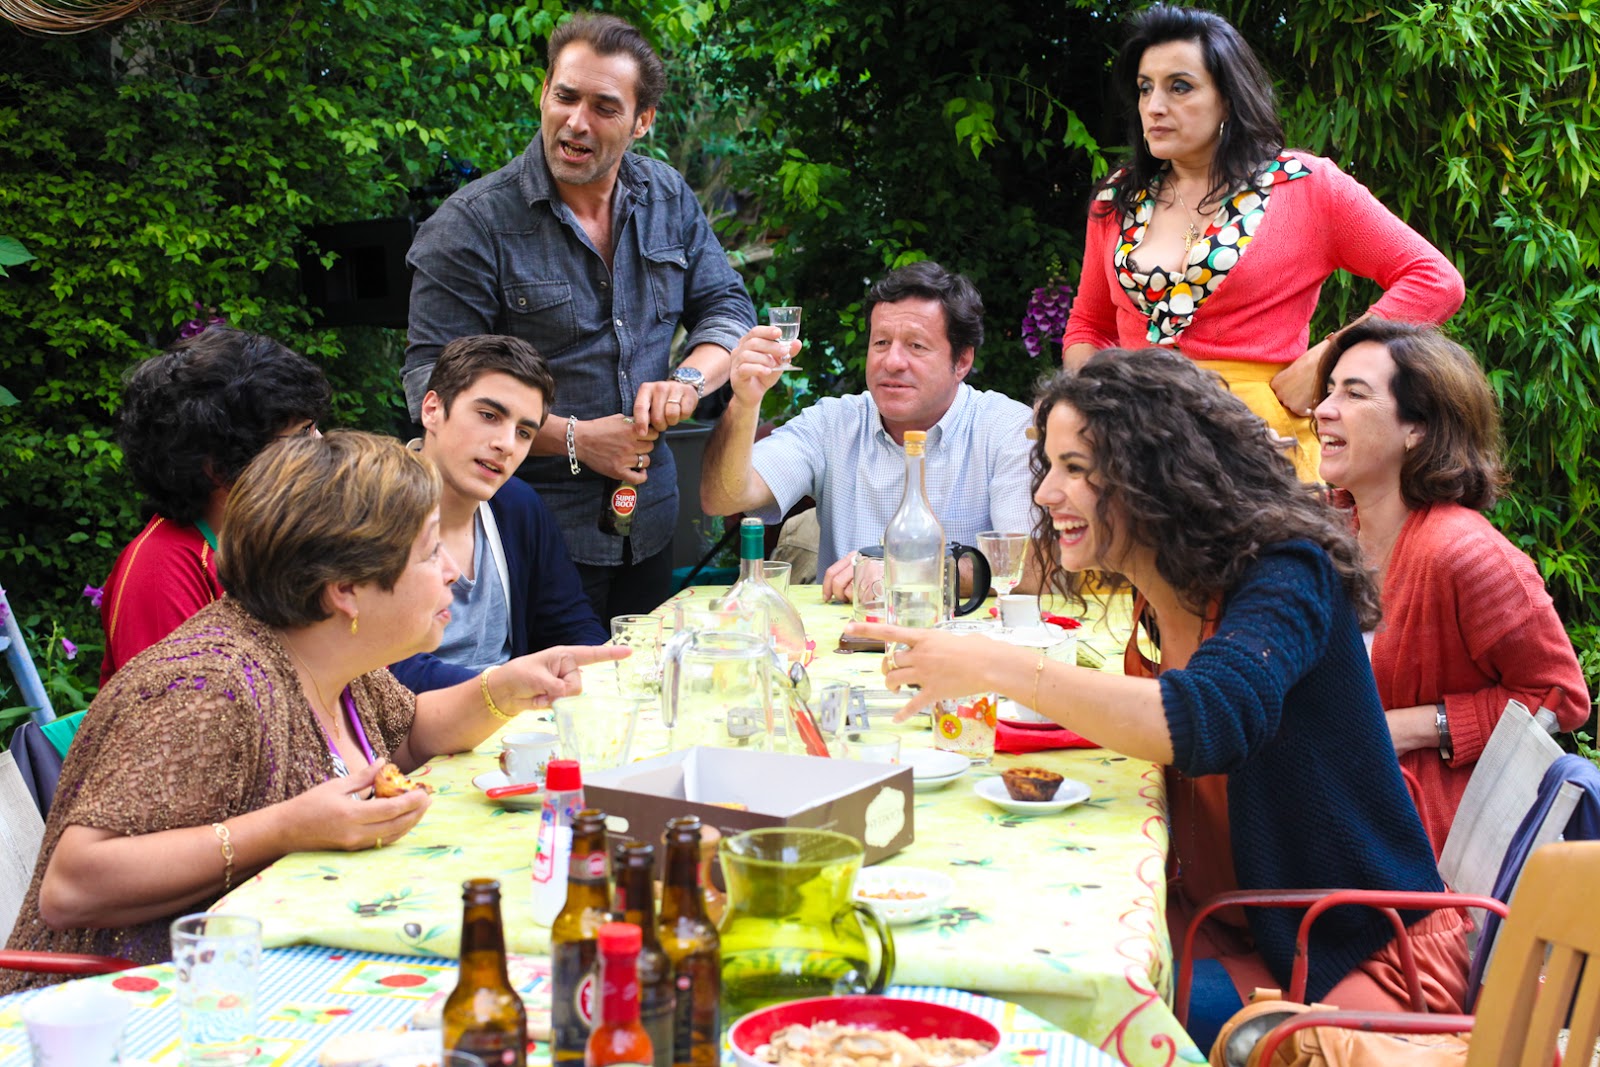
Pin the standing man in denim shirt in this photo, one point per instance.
(594, 256)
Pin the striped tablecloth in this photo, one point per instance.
(311, 993)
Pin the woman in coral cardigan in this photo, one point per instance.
(1410, 435)
(1215, 241)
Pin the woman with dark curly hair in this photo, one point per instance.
(1246, 673)
(1411, 436)
(192, 419)
(1211, 196)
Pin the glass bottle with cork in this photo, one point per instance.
(753, 590)
(913, 549)
(572, 939)
(692, 944)
(635, 864)
(483, 1014)
(618, 1038)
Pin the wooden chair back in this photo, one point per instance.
(1551, 932)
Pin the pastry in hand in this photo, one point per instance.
(391, 783)
(1031, 783)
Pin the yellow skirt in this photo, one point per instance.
(1252, 383)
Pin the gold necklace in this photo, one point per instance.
(332, 719)
(1191, 235)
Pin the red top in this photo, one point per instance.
(1324, 222)
(1467, 623)
(162, 577)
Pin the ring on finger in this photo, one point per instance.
(642, 458)
(889, 663)
(378, 843)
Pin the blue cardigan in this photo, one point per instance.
(548, 604)
(1282, 701)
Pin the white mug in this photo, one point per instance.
(525, 756)
(79, 1024)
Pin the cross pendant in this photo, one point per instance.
(1191, 237)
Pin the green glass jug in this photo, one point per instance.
(792, 928)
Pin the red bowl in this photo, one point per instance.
(914, 1018)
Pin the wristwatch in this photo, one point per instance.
(1441, 723)
(693, 378)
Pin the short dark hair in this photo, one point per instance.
(927, 280)
(195, 416)
(611, 36)
(1253, 134)
(466, 359)
(1436, 383)
(346, 507)
(1191, 473)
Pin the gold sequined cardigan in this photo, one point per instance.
(206, 725)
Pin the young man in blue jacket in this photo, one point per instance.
(519, 591)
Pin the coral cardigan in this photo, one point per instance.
(1261, 312)
(1467, 623)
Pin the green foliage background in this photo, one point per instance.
(156, 169)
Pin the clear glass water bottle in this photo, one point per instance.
(913, 549)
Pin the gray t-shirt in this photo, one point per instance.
(479, 633)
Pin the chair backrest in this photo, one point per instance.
(21, 833)
(1551, 930)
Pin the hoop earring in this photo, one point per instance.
(353, 619)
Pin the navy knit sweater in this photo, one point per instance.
(1282, 701)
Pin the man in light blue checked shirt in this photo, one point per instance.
(926, 324)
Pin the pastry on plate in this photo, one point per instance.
(1031, 783)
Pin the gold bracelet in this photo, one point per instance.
(226, 838)
(488, 698)
(1038, 669)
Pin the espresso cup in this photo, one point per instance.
(525, 756)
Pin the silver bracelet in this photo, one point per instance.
(572, 444)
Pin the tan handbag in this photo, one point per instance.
(1324, 1046)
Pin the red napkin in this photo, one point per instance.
(1018, 740)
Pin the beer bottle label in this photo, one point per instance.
(572, 1000)
(624, 499)
(696, 1039)
(494, 1048)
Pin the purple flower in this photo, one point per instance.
(69, 648)
(201, 322)
(94, 594)
(3, 612)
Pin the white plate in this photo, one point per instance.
(994, 791)
(932, 769)
(522, 802)
(934, 887)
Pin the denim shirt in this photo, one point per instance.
(505, 255)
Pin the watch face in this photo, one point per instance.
(691, 377)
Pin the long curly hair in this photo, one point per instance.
(1185, 469)
(1253, 133)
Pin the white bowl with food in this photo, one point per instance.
(903, 895)
(806, 1033)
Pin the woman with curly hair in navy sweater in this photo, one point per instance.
(1246, 673)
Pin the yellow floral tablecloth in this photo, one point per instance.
(1062, 913)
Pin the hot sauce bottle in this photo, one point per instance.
(618, 1038)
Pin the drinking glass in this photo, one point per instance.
(597, 730)
(217, 959)
(787, 320)
(872, 746)
(966, 725)
(639, 675)
(776, 572)
(1006, 553)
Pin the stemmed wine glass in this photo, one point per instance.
(787, 320)
(1006, 553)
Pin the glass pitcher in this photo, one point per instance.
(792, 928)
(955, 552)
(716, 689)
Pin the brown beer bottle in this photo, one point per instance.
(572, 939)
(618, 1040)
(636, 904)
(692, 944)
(617, 516)
(483, 1014)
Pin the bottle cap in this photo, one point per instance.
(916, 441)
(562, 775)
(619, 939)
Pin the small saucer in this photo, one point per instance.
(522, 802)
(1070, 792)
(932, 769)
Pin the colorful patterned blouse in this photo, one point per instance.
(1171, 300)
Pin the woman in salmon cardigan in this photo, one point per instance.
(1214, 240)
(1411, 436)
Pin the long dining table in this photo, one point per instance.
(1060, 914)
